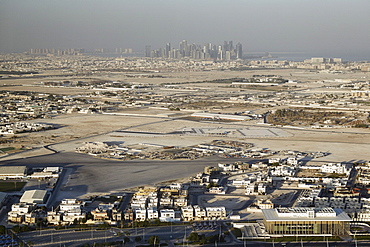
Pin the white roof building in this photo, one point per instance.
(34, 196)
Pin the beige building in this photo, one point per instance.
(187, 213)
(216, 213)
(306, 221)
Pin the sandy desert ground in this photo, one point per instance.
(344, 145)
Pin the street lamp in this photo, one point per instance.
(171, 230)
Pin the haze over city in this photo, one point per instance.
(335, 27)
(184, 123)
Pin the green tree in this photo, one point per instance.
(154, 240)
(126, 239)
(137, 238)
(2, 229)
(194, 237)
(16, 229)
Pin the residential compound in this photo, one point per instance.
(325, 203)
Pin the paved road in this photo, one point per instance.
(66, 237)
(71, 238)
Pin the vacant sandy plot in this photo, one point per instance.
(229, 202)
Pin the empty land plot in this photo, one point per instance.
(229, 202)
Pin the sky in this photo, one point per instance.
(260, 25)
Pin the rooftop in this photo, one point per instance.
(33, 195)
(305, 214)
(12, 170)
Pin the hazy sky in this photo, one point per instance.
(260, 25)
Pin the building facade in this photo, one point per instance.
(306, 221)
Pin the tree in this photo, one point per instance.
(2, 229)
(153, 240)
(126, 239)
(137, 238)
(194, 237)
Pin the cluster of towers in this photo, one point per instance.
(194, 51)
(56, 51)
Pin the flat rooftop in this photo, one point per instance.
(12, 170)
(30, 196)
(305, 214)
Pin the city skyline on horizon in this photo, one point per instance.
(267, 25)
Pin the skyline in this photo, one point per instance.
(267, 25)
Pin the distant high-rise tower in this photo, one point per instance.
(168, 50)
(239, 50)
(148, 50)
(184, 48)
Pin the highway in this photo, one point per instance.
(170, 234)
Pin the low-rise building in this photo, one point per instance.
(34, 196)
(187, 213)
(152, 213)
(199, 213)
(336, 168)
(216, 213)
(140, 214)
(306, 221)
(167, 215)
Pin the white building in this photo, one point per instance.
(282, 171)
(250, 189)
(261, 189)
(167, 215)
(292, 161)
(34, 196)
(152, 213)
(240, 183)
(336, 168)
(216, 213)
(23, 207)
(140, 214)
(274, 160)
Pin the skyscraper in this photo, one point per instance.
(184, 48)
(168, 50)
(148, 50)
(239, 50)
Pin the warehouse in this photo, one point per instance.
(34, 196)
(306, 221)
(12, 172)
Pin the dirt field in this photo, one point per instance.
(229, 202)
(344, 145)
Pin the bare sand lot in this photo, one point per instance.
(92, 175)
(229, 202)
(342, 144)
(179, 77)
